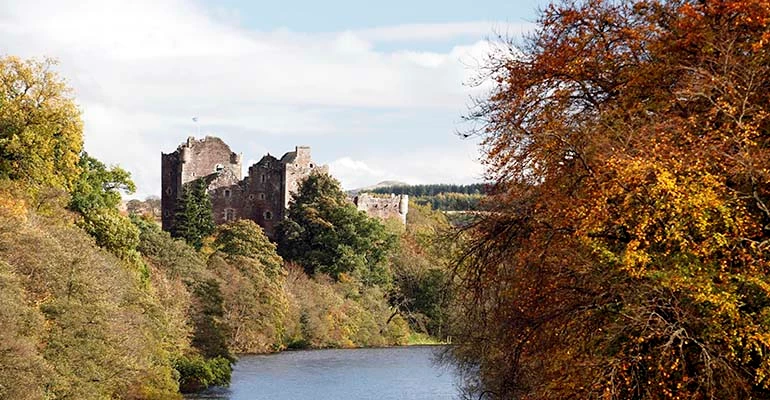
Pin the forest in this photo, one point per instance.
(444, 197)
(99, 302)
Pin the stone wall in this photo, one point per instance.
(192, 160)
(383, 206)
(262, 196)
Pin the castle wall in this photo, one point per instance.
(383, 207)
(171, 185)
(192, 160)
(265, 189)
(263, 196)
(299, 166)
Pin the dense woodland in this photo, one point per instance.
(444, 197)
(625, 254)
(98, 302)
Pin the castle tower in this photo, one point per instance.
(208, 158)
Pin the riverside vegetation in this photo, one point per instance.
(95, 304)
(625, 252)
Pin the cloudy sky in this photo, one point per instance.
(377, 89)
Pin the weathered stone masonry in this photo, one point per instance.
(262, 196)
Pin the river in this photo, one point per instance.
(397, 373)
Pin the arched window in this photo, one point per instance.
(264, 178)
(268, 215)
(227, 193)
(229, 214)
(261, 196)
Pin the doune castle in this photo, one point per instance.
(262, 196)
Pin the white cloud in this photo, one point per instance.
(454, 164)
(141, 69)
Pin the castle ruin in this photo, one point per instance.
(262, 196)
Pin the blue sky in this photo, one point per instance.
(377, 89)
(340, 15)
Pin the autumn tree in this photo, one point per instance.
(624, 253)
(41, 133)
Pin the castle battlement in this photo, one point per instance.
(262, 196)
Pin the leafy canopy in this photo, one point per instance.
(193, 218)
(625, 252)
(325, 233)
(41, 133)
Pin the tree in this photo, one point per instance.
(325, 233)
(41, 133)
(95, 194)
(97, 186)
(624, 252)
(252, 279)
(194, 219)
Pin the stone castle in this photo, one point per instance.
(262, 196)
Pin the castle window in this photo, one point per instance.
(227, 193)
(251, 197)
(169, 191)
(268, 215)
(219, 168)
(311, 165)
(264, 178)
(261, 196)
(229, 214)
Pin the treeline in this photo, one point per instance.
(444, 197)
(431, 190)
(452, 201)
(98, 304)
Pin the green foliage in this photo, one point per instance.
(245, 238)
(197, 373)
(422, 290)
(252, 280)
(431, 190)
(41, 133)
(98, 187)
(95, 194)
(101, 328)
(112, 231)
(325, 233)
(325, 313)
(180, 262)
(193, 218)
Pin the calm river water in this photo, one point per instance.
(398, 373)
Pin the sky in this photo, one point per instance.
(376, 89)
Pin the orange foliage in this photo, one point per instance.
(626, 251)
